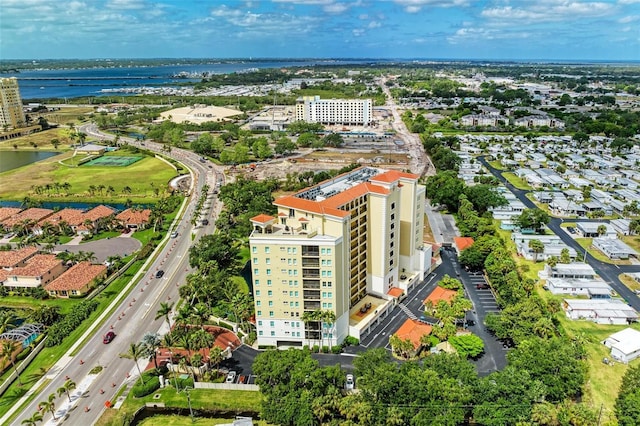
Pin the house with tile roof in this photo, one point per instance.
(134, 218)
(77, 280)
(38, 270)
(333, 245)
(15, 258)
(31, 216)
(437, 295)
(414, 330)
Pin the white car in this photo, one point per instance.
(174, 234)
(349, 383)
(231, 377)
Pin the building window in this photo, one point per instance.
(268, 271)
(289, 250)
(330, 294)
(255, 260)
(268, 282)
(257, 293)
(254, 249)
(268, 260)
(329, 274)
(258, 303)
(269, 293)
(393, 216)
(393, 206)
(271, 313)
(267, 250)
(273, 333)
(256, 282)
(323, 251)
(259, 313)
(260, 323)
(260, 333)
(292, 213)
(256, 271)
(304, 226)
(270, 303)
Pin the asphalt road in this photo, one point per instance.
(607, 271)
(133, 317)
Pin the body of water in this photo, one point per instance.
(13, 159)
(74, 83)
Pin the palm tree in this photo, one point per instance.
(49, 405)
(329, 318)
(215, 356)
(186, 342)
(200, 314)
(202, 339)
(7, 321)
(307, 318)
(537, 247)
(134, 353)
(165, 311)
(602, 229)
(150, 345)
(68, 386)
(6, 352)
(33, 420)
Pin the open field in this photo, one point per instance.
(68, 115)
(186, 421)
(516, 181)
(41, 139)
(629, 282)
(142, 177)
(207, 399)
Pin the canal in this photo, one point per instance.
(10, 160)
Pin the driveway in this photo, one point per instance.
(102, 249)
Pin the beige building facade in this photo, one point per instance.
(331, 248)
(312, 109)
(11, 112)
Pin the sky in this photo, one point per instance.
(397, 29)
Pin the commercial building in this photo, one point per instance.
(11, 113)
(355, 112)
(344, 246)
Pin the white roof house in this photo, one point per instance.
(625, 345)
(595, 289)
(600, 311)
(614, 248)
(590, 229)
(568, 270)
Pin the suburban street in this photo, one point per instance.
(607, 271)
(133, 317)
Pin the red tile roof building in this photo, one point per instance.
(134, 218)
(34, 215)
(39, 270)
(15, 258)
(413, 330)
(439, 294)
(77, 280)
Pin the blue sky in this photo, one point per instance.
(458, 29)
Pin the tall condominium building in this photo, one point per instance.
(11, 113)
(312, 109)
(347, 246)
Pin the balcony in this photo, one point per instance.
(311, 294)
(310, 273)
(312, 284)
(310, 251)
(313, 305)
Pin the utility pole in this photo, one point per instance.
(187, 389)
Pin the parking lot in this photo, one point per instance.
(485, 298)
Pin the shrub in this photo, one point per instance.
(225, 325)
(151, 384)
(325, 349)
(59, 330)
(315, 349)
(183, 383)
(351, 341)
(336, 349)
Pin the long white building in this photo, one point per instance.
(312, 109)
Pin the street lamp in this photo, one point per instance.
(187, 389)
(173, 370)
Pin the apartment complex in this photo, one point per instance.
(348, 246)
(355, 112)
(11, 113)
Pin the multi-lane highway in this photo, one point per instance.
(134, 315)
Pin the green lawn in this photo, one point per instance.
(207, 399)
(629, 282)
(142, 177)
(496, 165)
(102, 236)
(161, 420)
(144, 236)
(516, 181)
(49, 356)
(41, 139)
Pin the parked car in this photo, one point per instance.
(205, 221)
(160, 273)
(349, 383)
(231, 377)
(108, 338)
(174, 234)
(482, 286)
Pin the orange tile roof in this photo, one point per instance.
(392, 176)
(134, 217)
(413, 330)
(7, 212)
(395, 292)
(262, 218)
(331, 206)
(439, 294)
(11, 258)
(98, 212)
(34, 214)
(463, 242)
(77, 277)
(37, 266)
(70, 216)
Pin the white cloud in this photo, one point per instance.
(628, 19)
(549, 11)
(126, 4)
(629, 1)
(261, 24)
(414, 6)
(473, 34)
(357, 32)
(328, 6)
(374, 24)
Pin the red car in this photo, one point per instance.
(108, 337)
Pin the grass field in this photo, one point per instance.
(41, 139)
(68, 115)
(186, 421)
(208, 399)
(629, 282)
(496, 165)
(143, 177)
(516, 181)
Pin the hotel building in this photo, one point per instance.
(355, 112)
(11, 113)
(351, 245)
